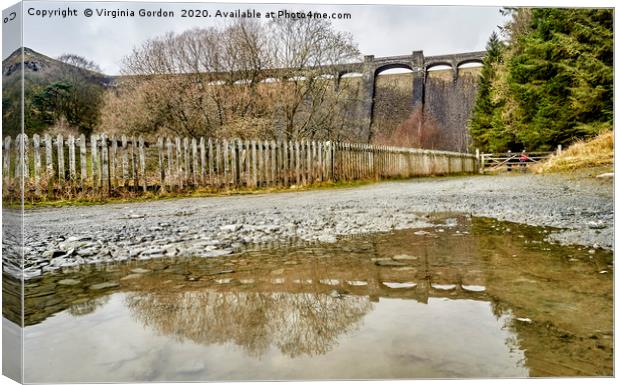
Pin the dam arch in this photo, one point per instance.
(419, 65)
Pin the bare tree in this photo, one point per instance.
(309, 51)
(249, 78)
(79, 62)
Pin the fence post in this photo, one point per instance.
(261, 163)
(105, 166)
(49, 165)
(19, 156)
(169, 152)
(218, 165)
(291, 162)
(83, 174)
(186, 162)
(240, 161)
(162, 174)
(194, 162)
(274, 161)
(60, 148)
(113, 163)
(134, 163)
(26, 160)
(210, 158)
(6, 164)
(254, 166)
(125, 160)
(233, 162)
(37, 163)
(248, 162)
(559, 150)
(279, 163)
(94, 161)
(72, 173)
(225, 162)
(285, 162)
(179, 159)
(203, 161)
(142, 162)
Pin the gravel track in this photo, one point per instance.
(62, 237)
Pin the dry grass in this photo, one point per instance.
(596, 152)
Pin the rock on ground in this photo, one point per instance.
(214, 226)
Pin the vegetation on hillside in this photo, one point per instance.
(549, 83)
(59, 95)
(596, 152)
(221, 82)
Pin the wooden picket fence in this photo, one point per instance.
(55, 167)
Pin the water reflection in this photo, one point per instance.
(525, 306)
(297, 324)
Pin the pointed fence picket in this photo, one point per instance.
(115, 165)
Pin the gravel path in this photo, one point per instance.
(68, 236)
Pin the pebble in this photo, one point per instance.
(596, 225)
(327, 238)
(400, 285)
(389, 263)
(403, 268)
(69, 282)
(131, 276)
(473, 288)
(404, 257)
(335, 294)
(526, 320)
(104, 285)
(606, 175)
(443, 287)
(233, 227)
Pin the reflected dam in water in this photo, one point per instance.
(468, 297)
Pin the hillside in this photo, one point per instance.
(40, 72)
(583, 154)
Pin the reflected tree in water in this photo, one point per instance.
(87, 307)
(297, 324)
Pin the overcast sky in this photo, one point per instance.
(379, 30)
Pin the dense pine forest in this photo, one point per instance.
(547, 80)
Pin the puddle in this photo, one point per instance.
(494, 301)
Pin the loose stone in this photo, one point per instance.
(389, 263)
(104, 285)
(404, 257)
(400, 285)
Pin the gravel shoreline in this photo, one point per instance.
(69, 236)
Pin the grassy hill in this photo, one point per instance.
(597, 152)
(40, 72)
